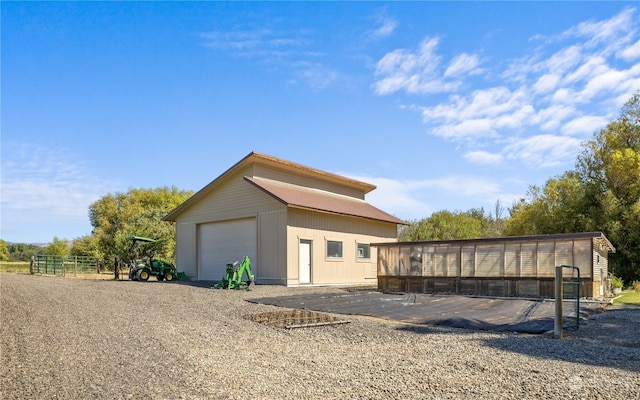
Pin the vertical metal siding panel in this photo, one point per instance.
(468, 260)
(512, 259)
(404, 260)
(453, 261)
(428, 261)
(489, 260)
(186, 260)
(320, 227)
(294, 177)
(564, 253)
(440, 261)
(272, 246)
(528, 261)
(234, 198)
(546, 259)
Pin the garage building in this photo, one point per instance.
(298, 225)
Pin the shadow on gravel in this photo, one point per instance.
(605, 339)
(573, 351)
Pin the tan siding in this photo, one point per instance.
(186, 249)
(235, 199)
(468, 261)
(564, 252)
(272, 252)
(283, 175)
(318, 227)
(546, 259)
(583, 256)
(512, 259)
(600, 261)
(444, 263)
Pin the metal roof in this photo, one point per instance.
(319, 200)
(598, 237)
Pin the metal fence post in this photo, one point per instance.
(557, 323)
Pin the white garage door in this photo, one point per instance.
(220, 243)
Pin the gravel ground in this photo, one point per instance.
(77, 339)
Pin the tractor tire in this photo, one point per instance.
(169, 277)
(160, 277)
(132, 275)
(143, 275)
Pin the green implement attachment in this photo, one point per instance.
(233, 277)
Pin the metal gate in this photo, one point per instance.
(62, 265)
(571, 298)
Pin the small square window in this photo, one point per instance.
(334, 249)
(364, 250)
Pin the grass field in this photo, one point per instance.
(14, 266)
(629, 297)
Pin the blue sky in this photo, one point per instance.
(442, 105)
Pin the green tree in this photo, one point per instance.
(59, 247)
(558, 207)
(447, 225)
(137, 212)
(4, 250)
(609, 166)
(602, 194)
(86, 246)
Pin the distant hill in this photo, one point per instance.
(31, 244)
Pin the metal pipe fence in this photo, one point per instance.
(63, 265)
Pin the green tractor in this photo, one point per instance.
(140, 269)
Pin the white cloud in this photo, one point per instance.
(569, 85)
(386, 28)
(404, 198)
(483, 157)
(314, 75)
(546, 83)
(631, 52)
(48, 182)
(413, 71)
(543, 150)
(461, 64)
(584, 126)
(607, 31)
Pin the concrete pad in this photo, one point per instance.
(496, 314)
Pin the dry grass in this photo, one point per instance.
(14, 266)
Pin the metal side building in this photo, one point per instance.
(507, 266)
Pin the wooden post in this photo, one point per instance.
(557, 325)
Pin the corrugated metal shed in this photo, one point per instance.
(506, 266)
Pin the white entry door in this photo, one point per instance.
(305, 261)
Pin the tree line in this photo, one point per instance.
(602, 193)
(114, 217)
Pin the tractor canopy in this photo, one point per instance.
(141, 239)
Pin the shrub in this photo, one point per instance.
(616, 282)
(635, 286)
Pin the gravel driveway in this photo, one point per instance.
(77, 339)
